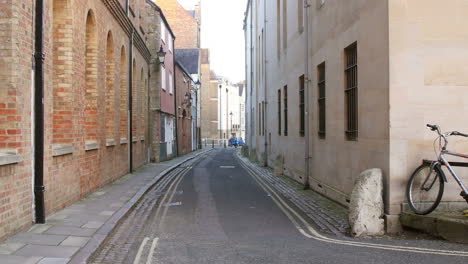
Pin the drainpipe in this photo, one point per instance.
(130, 105)
(265, 81)
(306, 101)
(252, 116)
(175, 101)
(39, 57)
(148, 122)
(127, 7)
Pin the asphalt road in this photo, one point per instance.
(213, 211)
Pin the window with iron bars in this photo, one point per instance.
(321, 99)
(301, 106)
(285, 107)
(259, 119)
(279, 111)
(351, 92)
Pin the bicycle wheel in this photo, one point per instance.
(425, 189)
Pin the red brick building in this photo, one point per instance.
(184, 99)
(97, 63)
(185, 23)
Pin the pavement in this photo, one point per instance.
(71, 235)
(212, 207)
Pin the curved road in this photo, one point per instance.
(212, 210)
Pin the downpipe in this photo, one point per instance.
(306, 88)
(39, 57)
(265, 164)
(130, 105)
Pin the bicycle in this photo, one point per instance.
(426, 185)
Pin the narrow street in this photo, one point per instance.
(214, 210)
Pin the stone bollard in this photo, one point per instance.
(366, 208)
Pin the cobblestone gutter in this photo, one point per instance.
(329, 216)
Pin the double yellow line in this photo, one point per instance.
(308, 231)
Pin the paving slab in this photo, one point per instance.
(10, 248)
(74, 241)
(47, 251)
(37, 239)
(71, 230)
(54, 261)
(10, 259)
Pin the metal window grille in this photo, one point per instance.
(321, 99)
(285, 106)
(279, 111)
(301, 106)
(263, 118)
(351, 92)
(259, 119)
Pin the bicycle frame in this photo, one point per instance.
(447, 164)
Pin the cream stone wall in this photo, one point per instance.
(428, 84)
(336, 161)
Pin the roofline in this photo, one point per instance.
(247, 9)
(184, 70)
(155, 6)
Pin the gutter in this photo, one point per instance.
(39, 57)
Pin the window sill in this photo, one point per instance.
(123, 141)
(110, 143)
(91, 145)
(135, 139)
(7, 158)
(142, 138)
(61, 150)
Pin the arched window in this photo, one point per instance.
(62, 39)
(134, 100)
(91, 60)
(123, 94)
(142, 104)
(110, 91)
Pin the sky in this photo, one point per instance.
(222, 33)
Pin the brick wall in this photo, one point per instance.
(86, 123)
(184, 113)
(185, 27)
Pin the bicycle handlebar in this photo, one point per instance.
(456, 133)
(453, 133)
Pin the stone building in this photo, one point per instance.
(209, 98)
(97, 65)
(322, 121)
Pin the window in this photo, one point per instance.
(163, 32)
(300, 15)
(301, 106)
(123, 94)
(321, 99)
(285, 98)
(278, 28)
(351, 92)
(285, 24)
(279, 111)
(171, 83)
(170, 44)
(91, 72)
(259, 119)
(110, 93)
(263, 118)
(163, 78)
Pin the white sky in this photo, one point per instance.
(222, 33)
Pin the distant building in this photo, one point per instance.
(209, 98)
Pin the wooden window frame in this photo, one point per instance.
(302, 105)
(285, 109)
